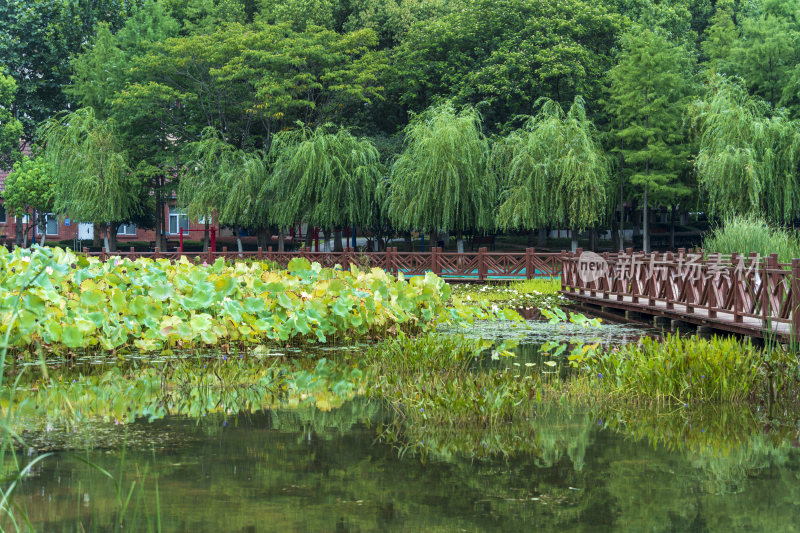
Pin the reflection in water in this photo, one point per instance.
(307, 470)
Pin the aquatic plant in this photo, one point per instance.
(751, 233)
(150, 305)
(528, 293)
(683, 369)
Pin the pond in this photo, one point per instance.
(354, 467)
(313, 471)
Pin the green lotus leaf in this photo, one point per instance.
(254, 306)
(201, 322)
(161, 291)
(284, 300)
(72, 336)
(92, 297)
(27, 322)
(298, 264)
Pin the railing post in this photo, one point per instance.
(103, 255)
(482, 273)
(738, 304)
(577, 265)
(766, 312)
(530, 269)
(157, 252)
(795, 300)
(225, 253)
(85, 250)
(436, 260)
(260, 252)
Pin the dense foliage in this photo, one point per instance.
(69, 302)
(688, 105)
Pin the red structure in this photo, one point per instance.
(747, 295)
(470, 266)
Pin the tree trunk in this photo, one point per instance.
(112, 237)
(646, 210)
(541, 239)
(593, 239)
(337, 240)
(446, 238)
(239, 239)
(574, 234)
(531, 237)
(621, 236)
(106, 244)
(646, 223)
(460, 243)
(96, 236)
(18, 231)
(205, 236)
(672, 228)
(281, 239)
(407, 238)
(309, 237)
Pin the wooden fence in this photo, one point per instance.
(469, 266)
(744, 294)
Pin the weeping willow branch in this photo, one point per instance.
(326, 177)
(92, 178)
(747, 161)
(557, 171)
(442, 180)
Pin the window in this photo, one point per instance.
(177, 219)
(126, 229)
(2, 214)
(51, 225)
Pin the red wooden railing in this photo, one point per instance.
(747, 292)
(476, 266)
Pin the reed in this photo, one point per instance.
(751, 233)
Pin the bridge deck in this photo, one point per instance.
(724, 321)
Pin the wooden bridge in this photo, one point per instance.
(480, 266)
(749, 295)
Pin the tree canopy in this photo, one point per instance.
(441, 181)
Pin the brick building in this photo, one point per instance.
(62, 229)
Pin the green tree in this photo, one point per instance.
(721, 35)
(766, 54)
(747, 159)
(557, 172)
(29, 187)
(37, 39)
(10, 127)
(327, 177)
(92, 176)
(648, 92)
(506, 54)
(442, 181)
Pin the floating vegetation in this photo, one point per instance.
(678, 369)
(532, 293)
(69, 304)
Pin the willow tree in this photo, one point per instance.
(93, 181)
(557, 172)
(222, 181)
(442, 180)
(747, 159)
(325, 177)
(201, 191)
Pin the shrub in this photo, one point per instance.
(684, 369)
(750, 233)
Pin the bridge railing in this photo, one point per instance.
(477, 266)
(732, 287)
